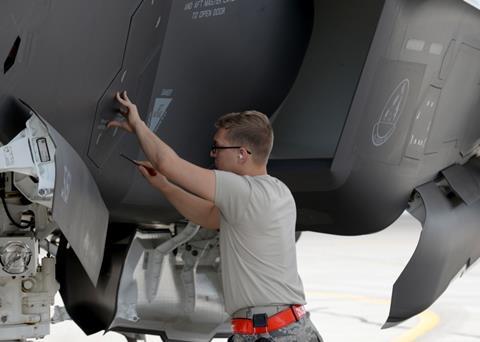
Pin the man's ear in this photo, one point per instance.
(242, 155)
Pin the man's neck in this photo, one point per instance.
(255, 171)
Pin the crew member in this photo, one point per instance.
(255, 213)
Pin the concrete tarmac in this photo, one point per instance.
(348, 283)
(349, 280)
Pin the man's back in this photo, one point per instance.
(257, 241)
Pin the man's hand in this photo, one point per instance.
(129, 110)
(188, 176)
(155, 178)
(194, 208)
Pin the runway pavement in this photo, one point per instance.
(348, 283)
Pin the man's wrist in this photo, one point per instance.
(137, 125)
(166, 188)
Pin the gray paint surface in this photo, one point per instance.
(448, 243)
(309, 122)
(78, 207)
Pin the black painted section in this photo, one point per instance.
(13, 116)
(12, 55)
(93, 308)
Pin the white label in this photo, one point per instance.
(43, 150)
(159, 112)
(436, 49)
(415, 45)
(202, 9)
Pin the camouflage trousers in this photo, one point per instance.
(301, 331)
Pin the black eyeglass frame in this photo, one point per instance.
(215, 148)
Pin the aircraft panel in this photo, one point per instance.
(422, 124)
(309, 123)
(440, 255)
(247, 58)
(389, 110)
(458, 104)
(147, 27)
(78, 207)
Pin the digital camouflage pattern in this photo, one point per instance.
(301, 331)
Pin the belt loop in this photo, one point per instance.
(294, 312)
(292, 307)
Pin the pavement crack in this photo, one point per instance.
(356, 317)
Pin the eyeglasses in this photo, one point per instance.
(215, 148)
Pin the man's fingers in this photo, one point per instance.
(121, 124)
(119, 99)
(125, 96)
(150, 171)
(144, 163)
(114, 123)
(147, 172)
(143, 171)
(111, 124)
(124, 100)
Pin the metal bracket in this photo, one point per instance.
(189, 272)
(31, 155)
(161, 251)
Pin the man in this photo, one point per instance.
(255, 214)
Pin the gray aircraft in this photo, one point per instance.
(375, 107)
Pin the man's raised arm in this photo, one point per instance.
(191, 177)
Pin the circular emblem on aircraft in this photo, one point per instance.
(393, 109)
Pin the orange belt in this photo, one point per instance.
(288, 316)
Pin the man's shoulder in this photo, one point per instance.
(229, 185)
(227, 173)
(262, 181)
(229, 177)
(270, 186)
(272, 180)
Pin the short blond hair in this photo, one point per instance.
(251, 129)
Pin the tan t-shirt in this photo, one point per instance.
(257, 241)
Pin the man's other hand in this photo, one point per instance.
(129, 111)
(155, 178)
